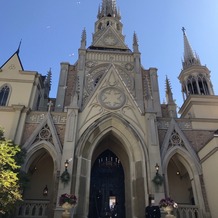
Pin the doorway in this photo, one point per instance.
(107, 188)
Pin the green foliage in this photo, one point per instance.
(9, 169)
(65, 177)
(158, 179)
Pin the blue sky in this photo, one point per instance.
(51, 32)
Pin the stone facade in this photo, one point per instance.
(107, 120)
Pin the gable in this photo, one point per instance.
(175, 139)
(12, 63)
(111, 96)
(44, 132)
(110, 38)
(21, 82)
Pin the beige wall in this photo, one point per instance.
(209, 158)
(40, 177)
(179, 185)
(6, 122)
(20, 82)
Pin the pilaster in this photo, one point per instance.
(68, 154)
(62, 86)
(154, 155)
(17, 110)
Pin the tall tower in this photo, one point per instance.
(194, 77)
(112, 103)
(197, 88)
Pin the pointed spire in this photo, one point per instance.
(83, 39)
(108, 9)
(99, 12)
(190, 58)
(135, 43)
(169, 94)
(48, 79)
(18, 49)
(169, 100)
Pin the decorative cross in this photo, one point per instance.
(183, 29)
(50, 104)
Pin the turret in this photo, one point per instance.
(135, 43)
(108, 16)
(171, 105)
(47, 83)
(194, 77)
(83, 40)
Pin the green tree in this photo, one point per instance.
(9, 181)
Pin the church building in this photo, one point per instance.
(106, 137)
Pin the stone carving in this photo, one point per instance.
(165, 125)
(44, 134)
(175, 140)
(12, 67)
(129, 67)
(110, 40)
(39, 117)
(90, 64)
(112, 98)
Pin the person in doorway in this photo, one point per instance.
(152, 211)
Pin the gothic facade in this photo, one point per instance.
(106, 137)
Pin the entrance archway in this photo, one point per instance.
(40, 176)
(178, 174)
(116, 135)
(107, 192)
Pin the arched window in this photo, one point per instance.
(97, 80)
(202, 82)
(4, 93)
(100, 26)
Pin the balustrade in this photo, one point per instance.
(32, 208)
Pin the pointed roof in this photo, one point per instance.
(169, 94)
(83, 39)
(14, 55)
(190, 58)
(18, 50)
(48, 79)
(135, 43)
(108, 9)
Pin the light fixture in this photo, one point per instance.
(45, 191)
(66, 163)
(157, 168)
(65, 176)
(158, 179)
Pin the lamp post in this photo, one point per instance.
(66, 163)
(45, 191)
(157, 168)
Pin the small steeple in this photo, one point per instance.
(190, 58)
(48, 80)
(135, 43)
(83, 39)
(171, 105)
(194, 82)
(18, 49)
(169, 94)
(108, 9)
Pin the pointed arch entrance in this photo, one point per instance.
(116, 135)
(107, 192)
(178, 176)
(40, 176)
(41, 165)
